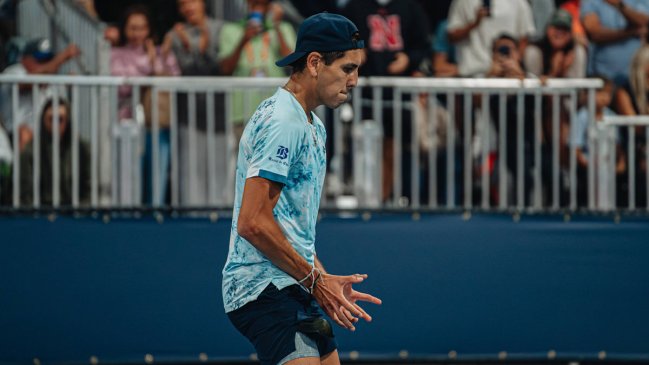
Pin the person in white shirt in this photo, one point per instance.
(473, 25)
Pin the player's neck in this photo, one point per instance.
(301, 94)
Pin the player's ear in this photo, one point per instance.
(313, 61)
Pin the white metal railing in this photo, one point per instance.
(472, 164)
(637, 181)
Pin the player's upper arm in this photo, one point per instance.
(260, 196)
(275, 148)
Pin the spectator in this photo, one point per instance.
(195, 42)
(614, 28)
(138, 56)
(66, 172)
(251, 46)
(579, 140)
(507, 63)
(474, 28)
(637, 102)
(38, 58)
(557, 54)
(396, 46)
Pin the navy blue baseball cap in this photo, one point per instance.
(323, 32)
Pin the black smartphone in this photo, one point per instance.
(487, 5)
(504, 51)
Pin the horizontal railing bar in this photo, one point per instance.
(227, 83)
(636, 120)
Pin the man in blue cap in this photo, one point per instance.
(274, 287)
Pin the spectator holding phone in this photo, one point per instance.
(473, 25)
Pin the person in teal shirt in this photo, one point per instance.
(275, 288)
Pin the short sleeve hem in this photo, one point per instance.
(269, 175)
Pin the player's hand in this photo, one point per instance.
(338, 299)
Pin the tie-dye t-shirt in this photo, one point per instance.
(281, 145)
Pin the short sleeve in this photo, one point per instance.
(440, 41)
(458, 16)
(275, 148)
(587, 7)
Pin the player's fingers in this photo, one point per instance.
(364, 314)
(349, 315)
(334, 316)
(350, 307)
(356, 295)
(346, 322)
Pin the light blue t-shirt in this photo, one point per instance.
(281, 145)
(612, 59)
(579, 133)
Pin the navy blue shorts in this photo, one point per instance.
(271, 324)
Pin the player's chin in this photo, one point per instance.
(338, 101)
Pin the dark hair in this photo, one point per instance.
(547, 51)
(328, 57)
(502, 36)
(137, 9)
(67, 137)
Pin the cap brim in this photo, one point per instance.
(290, 59)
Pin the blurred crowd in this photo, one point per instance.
(606, 39)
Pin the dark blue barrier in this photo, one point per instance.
(77, 288)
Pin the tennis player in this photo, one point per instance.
(274, 287)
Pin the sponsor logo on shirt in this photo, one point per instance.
(282, 152)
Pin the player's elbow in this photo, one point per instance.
(248, 229)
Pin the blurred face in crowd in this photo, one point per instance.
(336, 81)
(48, 119)
(192, 10)
(258, 5)
(136, 29)
(559, 37)
(604, 96)
(506, 49)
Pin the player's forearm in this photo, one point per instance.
(266, 236)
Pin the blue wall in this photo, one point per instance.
(75, 288)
